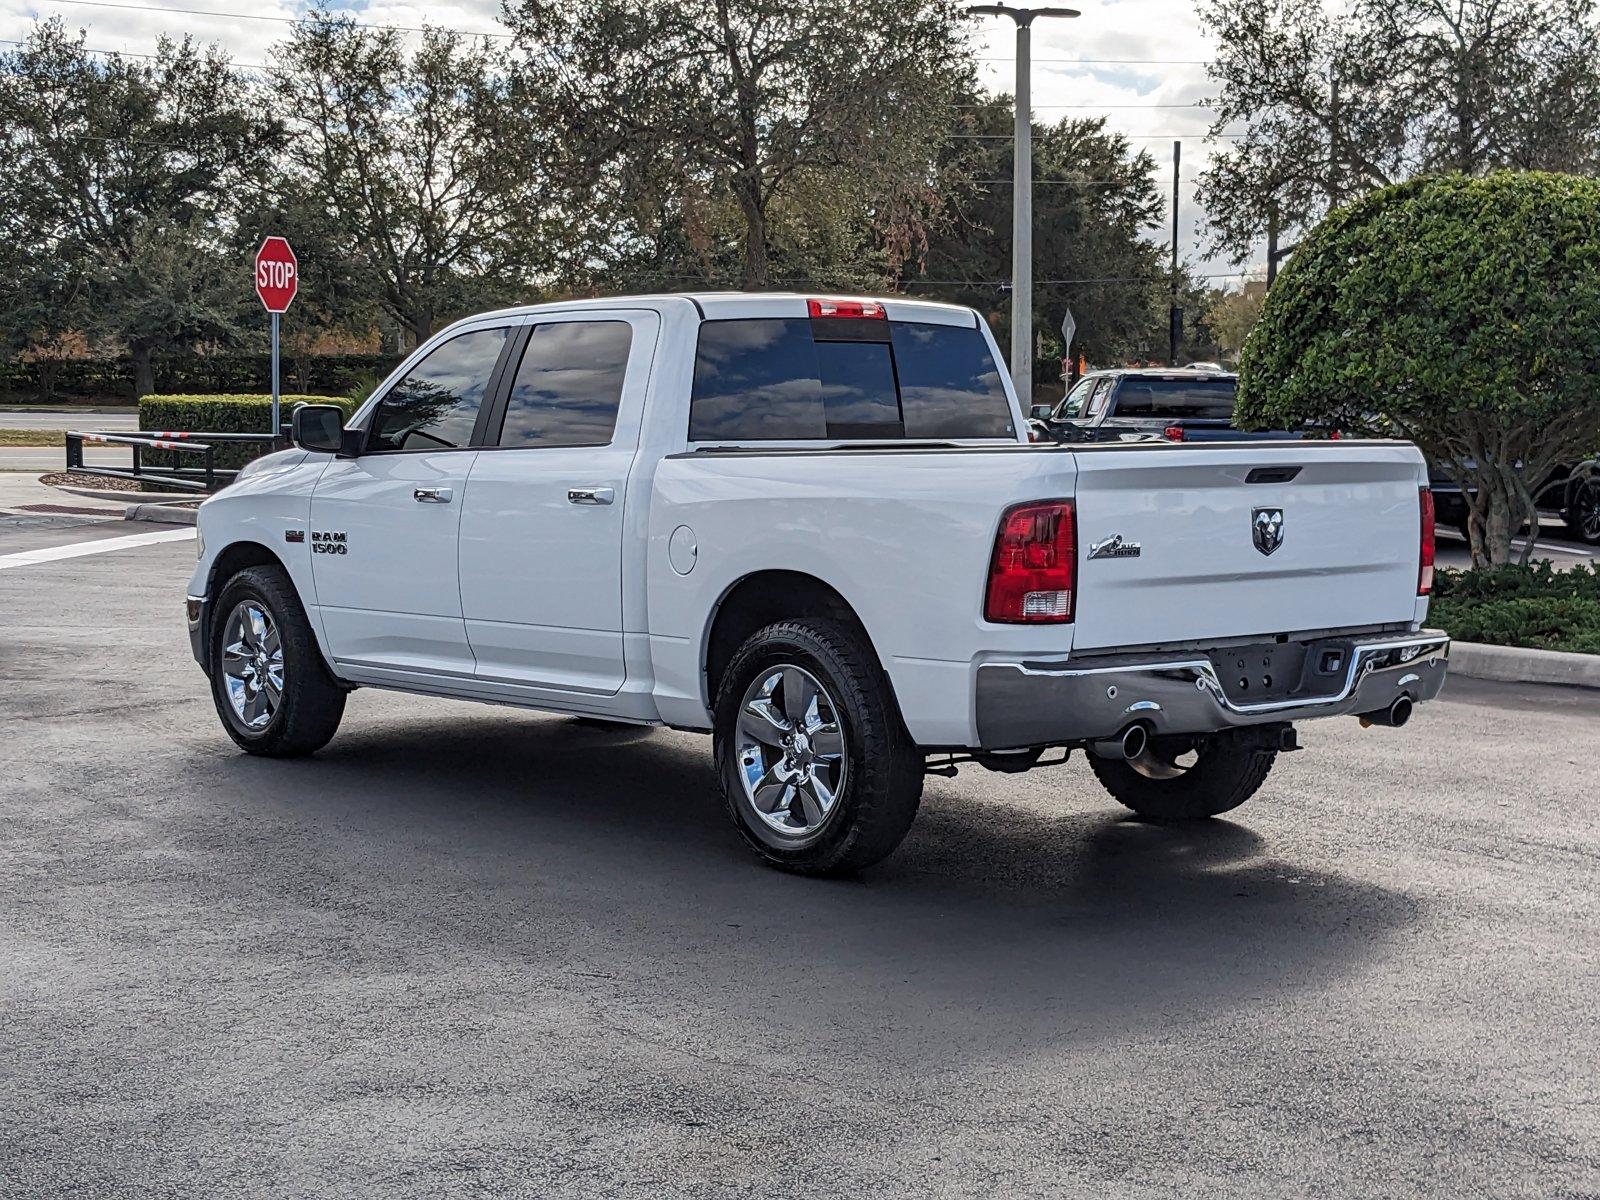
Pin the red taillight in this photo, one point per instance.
(847, 308)
(1425, 569)
(1035, 561)
(1173, 433)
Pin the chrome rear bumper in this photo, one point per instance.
(1037, 704)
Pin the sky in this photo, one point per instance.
(1139, 63)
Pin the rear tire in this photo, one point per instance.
(1582, 512)
(271, 687)
(817, 771)
(1225, 773)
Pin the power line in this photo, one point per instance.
(239, 66)
(233, 16)
(209, 12)
(1097, 107)
(1111, 62)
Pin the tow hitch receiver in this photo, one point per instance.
(1280, 737)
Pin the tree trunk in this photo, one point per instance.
(144, 374)
(421, 327)
(756, 276)
(1493, 523)
(47, 379)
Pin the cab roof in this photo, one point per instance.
(723, 306)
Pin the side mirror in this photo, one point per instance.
(1040, 412)
(318, 427)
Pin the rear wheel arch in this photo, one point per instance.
(764, 598)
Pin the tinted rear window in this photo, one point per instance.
(1204, 398)
(773, 379)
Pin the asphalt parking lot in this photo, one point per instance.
(469, 951)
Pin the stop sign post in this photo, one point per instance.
(277, 281)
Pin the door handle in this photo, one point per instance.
(590, 495)
(432, 495)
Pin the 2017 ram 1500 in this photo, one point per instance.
(814, 528)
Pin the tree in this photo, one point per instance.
(1230, 315)
(122, 180)
(681, 114)
(422, 164)
(1461, 313)
(1093, 199)
(1335, 105)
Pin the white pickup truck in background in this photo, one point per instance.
(814, 528)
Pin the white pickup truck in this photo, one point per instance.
(815, 528)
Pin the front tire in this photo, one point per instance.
(817, 771)
(271, 687)
(1186, 779)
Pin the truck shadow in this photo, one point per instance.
(519, 835)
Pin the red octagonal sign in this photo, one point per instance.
(277, 274)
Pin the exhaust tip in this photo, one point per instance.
(1130, 743)
(1400, 712)
(1134, 741)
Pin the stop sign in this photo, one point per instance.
(277, 274)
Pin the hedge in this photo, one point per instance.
(221, 414)
(108, 378)
(1533, 606)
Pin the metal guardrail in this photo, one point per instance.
(207, 477)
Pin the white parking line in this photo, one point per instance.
(27, 558)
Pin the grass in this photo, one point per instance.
(1535, 607)
(32, 437)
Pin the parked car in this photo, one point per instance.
(814, 529)
(1195, 404)
(1180, 404)
(1571, 495)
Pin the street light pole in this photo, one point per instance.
(1022, 195)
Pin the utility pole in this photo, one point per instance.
(1272, 242)
(1022, 195)
(1174, 313)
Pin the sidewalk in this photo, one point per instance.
(23, 494)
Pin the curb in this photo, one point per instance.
(119, 496)
(167, 515)
(1514, 664)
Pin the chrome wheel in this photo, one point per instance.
(791, 751)
(1586, 511)
(252, 664)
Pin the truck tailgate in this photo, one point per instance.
(1343, 553)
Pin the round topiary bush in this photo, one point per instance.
(1461, 313)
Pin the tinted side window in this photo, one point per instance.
(568, 385)
(435, 405)
(949, 384)
(1072, 406)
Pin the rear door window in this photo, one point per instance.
(435, 405)
(772, 379)
(568, 385)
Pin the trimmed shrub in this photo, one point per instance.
(224, 374)
(1535, 607)
(220, 414)
(1463, 314)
